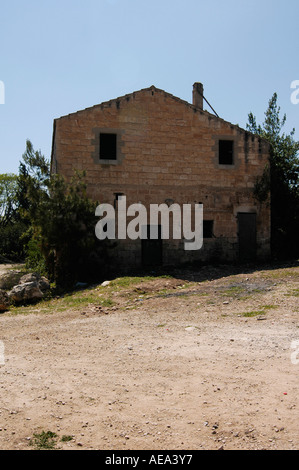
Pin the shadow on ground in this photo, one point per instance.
(206, 272)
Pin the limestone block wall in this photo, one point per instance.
(167, 150)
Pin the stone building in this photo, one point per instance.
(154, 148)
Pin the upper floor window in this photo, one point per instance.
(108, 146)
(226, 152)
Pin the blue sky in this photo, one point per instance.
(61, 56)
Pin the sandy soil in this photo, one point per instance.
(186, 370)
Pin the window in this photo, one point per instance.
(117, 197)
(208, 226)
(108, 146)
(226, 152)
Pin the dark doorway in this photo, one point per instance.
(151, 249)
(247, 236)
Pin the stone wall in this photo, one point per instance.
(167, 150)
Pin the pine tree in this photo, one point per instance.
(283, 181)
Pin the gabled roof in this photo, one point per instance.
(154, 89)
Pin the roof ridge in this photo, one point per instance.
(122, 97)
(126, 96)
(167, 94)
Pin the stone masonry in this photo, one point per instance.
(167, 150)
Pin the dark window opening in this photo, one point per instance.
(226, 152)
(117, 197)
(208, 226)
(108, 146)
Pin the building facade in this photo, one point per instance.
(154, 148)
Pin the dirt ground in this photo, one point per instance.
(203, 360)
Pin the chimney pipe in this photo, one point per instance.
(198, 95)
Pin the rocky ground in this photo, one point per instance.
(199, 360)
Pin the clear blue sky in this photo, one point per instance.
(61, 56)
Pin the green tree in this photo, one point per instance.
(281, 178)
(8, 199)
(61, 240)
(33, 181)
(11, 224)
(64, 226)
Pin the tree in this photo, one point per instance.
(281, 178)
(33, 181)
(8, 199)
(65, 228)
(11, 224)
(61, 241)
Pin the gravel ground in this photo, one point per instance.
(194, 362)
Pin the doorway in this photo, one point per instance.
(247, 236)
(151, 249)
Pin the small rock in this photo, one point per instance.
(27, 292)
(44, 284)
(10, 279)
(42, 281)
(105, 283)
(31, 277)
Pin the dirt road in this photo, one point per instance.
(176, 364)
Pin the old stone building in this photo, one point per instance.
(154, 148)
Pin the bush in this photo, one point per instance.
(50, 222)
(63, 239)
(11, 241)
(35, 260)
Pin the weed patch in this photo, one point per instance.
(253, 313)
(66, 438)
(46, 440)
(128, 281)
(261, 311)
